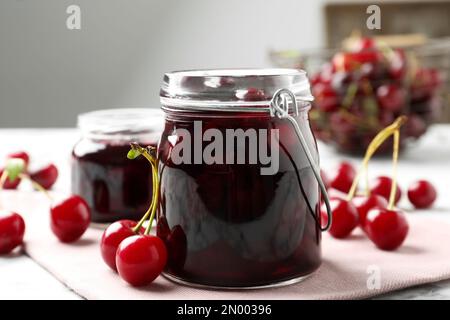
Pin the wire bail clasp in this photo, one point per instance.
(282, 102)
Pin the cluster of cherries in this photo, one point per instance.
(362, 90)
(127, 247)
(385, 225)
(45, 176)
(69, 218)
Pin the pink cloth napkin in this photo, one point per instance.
(348, 265)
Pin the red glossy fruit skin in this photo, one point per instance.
(398, 67)
(382, 186)
(70, 218)
(364, 44)
(326, 98)
(112, 237)
(10, 185)
(415, 126)
(343, 179)
(345, 217)
(20, 155)
(386, 228)
(391, 97)
(364, 204)
(12, 230)
(46, 176)
(422, 194)
(140, 259)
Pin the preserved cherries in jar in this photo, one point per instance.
(114, 187)
(239, 201)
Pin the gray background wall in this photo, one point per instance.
(49, 74)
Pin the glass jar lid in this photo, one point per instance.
(231, 89)
(124, 124)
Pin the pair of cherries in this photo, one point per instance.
(128, 248)
(45, 176)
(69, 218)
(139, 258)
(387, 228)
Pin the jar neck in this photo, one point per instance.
(121, 137)
(179, 113)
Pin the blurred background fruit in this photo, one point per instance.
(363, 86)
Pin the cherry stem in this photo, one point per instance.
(394, 170)
(150, 155)
(36, 185)
(3, 179)
(350, 95)
(372, 148)
(24, 176)
(154, 200)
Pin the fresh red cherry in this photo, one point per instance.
(386, 228)
(382, 186)
(415, 126)
(12, 229)
(10, 185)
(140, 259)
(367, 56)
(315, 79)
(113, 236)
(391, 97)
(20, 155)
(398, 67)
(364, 204)
(422, 194)
(46, 176)
(326, 74)
(386, 117)
(426, 81)
(327, 99)
(345, 217)
(343, 178)
(70, 218)
(341, 125)
(341, 80)
(363, 44)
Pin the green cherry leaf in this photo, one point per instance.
(14, 167)
(133, 154)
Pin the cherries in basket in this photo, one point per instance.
(375, 211)
(362, 90)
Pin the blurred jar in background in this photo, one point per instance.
(114, 186)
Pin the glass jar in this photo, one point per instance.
(229, 216)
(114, 186)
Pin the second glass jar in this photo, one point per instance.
(114, 186)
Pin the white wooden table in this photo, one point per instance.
(22, 278)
